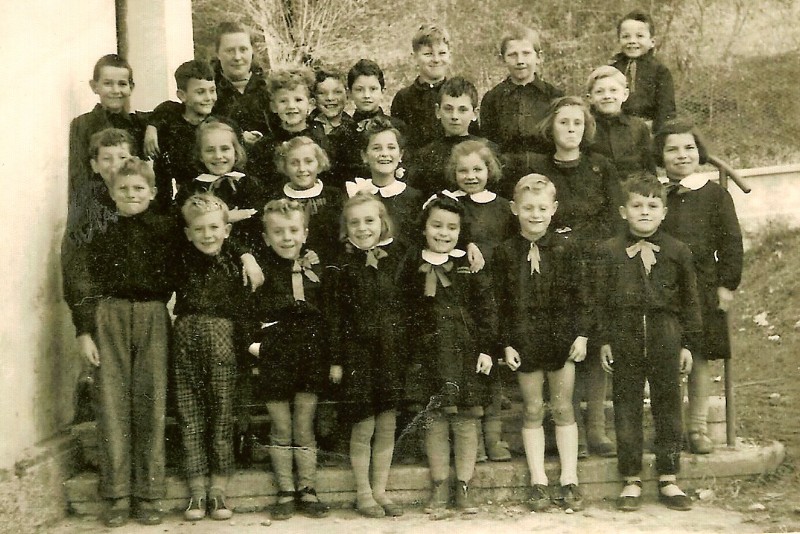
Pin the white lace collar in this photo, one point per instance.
(439, 258)
(693, 181)
(383, 243)
(366, 184)
(211, 178)
(484, 197)
(313, 191)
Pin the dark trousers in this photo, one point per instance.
(131, 389)
(647, 347)
(204, 361)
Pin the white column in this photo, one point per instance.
(159, 38)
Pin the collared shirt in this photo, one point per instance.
(415, 105)
(625, 140)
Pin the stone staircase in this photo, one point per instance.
(253, 488)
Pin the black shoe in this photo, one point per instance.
(148, 512)
(282, 511)
(700, 443)
(539, 500)
(570, 498)
(628, 503)
(309, 504)
(117, 513)
(678, 502)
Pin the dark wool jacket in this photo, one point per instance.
(510, 114)
(415, 105)
(625, 140)
(228, 95)
(652, 93)
(624, 290)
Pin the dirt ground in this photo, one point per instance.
(652, 518)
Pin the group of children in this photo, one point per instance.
(307, 264)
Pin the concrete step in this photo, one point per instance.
(254, 489)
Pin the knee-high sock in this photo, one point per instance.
(533, 441)
(699, 388)
(360, 440)
(382, 451)
(567, 442)
(465, 432)
(437, 447)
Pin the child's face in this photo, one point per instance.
(292, 106)
(681, 155)
(364, 225)
(441, 230)
(456, 113)
(285, 234)
(432, 62)
(383, 154)
(235, 54)
(534, 210)
(113, 87)
(331, 96)
(366, 93)
(199, 98)
(109, 159)
(132, 194)
(607, 96)
(634, 38)
(568, 126)
(302, 167)
(644, 214)
(471, 173)
(208, 231)
(521, 60)
(217, 151)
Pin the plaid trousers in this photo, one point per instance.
(204, 362)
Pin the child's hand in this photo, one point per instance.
(150, 146)
(251, 272)
(251, 137)
(513, 360)
(484, 364)
(88, 349)
(336, 374)
(312, 256)
(686, 361)
(725, 298)
(254, 349)
(475, 257)
(577, 352)
(236, 215)
(606, 359)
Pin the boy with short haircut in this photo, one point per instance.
(623, 139)
(543, 297)
(366, 84)
(176, 132)
(292, 100)
(511, 110)
(415, 104)
(209, 299)
(330, 94)
(112, 82)
(652, 96)
(122, 285)
(456, 110)
(648, 322)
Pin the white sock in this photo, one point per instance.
(567, 442)
(533, 440)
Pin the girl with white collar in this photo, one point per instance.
(382, 152)
(701, 214)
(302, 161)
(451, 327)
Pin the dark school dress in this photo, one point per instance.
(293, 357)
(705, 219)
(487, 222)
(449, 325)
(543, 312)
(367, 330)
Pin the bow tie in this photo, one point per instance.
(675, 187)
(300, 267)
(646, 251)
(434, 273)
(361, 184)
(534, 257)
(375, 254)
